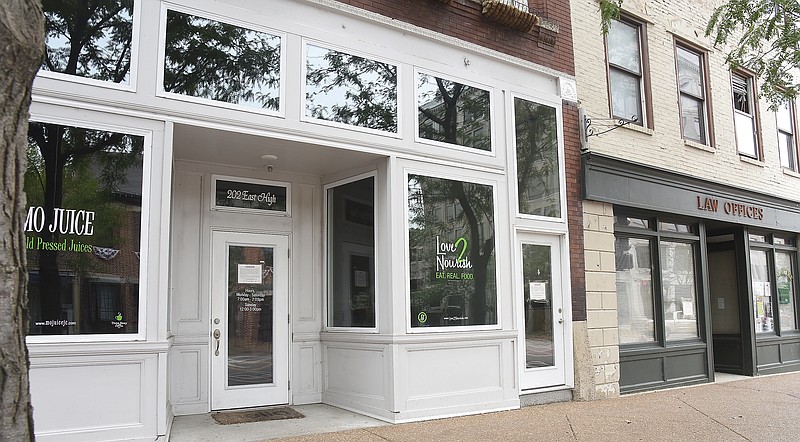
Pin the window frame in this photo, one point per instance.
(209, 15)
(492, 152)
(331, 46)
(145, 234)
(376, 257)
(708, 122)
(132, 84)
(793, 147)
(752, 95)
(500, 285)
(645, 94)
(771, 249)
(655, 236)
(512, 136)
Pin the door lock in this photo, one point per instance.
(217, 334)
(560, 320)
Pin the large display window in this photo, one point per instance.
(83, 227)
(451, 235)
(773, 261)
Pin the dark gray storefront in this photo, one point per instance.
(706, 275)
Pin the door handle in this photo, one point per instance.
(217, 334)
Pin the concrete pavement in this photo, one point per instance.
(751, 409)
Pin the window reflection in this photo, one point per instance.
(784, 279)
(349, 89)
(84, 192)
(538, 288)
(89, 39)
(453, 113)
(679, 291)
(217, 61)
(452, 260)
(634, 290)
(762, 292)
(536, 133)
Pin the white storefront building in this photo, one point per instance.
(376, 222)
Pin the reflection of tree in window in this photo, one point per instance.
(81, 169)
(537, 158)
(449, 302)
(352, 90)
(218, 61)
(453, 113)
(89, 39)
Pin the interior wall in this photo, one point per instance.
(724, 292)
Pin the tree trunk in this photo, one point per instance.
(21, 49)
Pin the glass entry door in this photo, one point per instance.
(541, 294)
(249, 325)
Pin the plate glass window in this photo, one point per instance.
(538, 178)
(625, 70)
(453, 113)
(217, 61)
(691, 84)
(89, 39)
(679, 290)
(82, 230)
(453, 280)
(787, 146)
(784, 282)
(349, 89)
(744, 115)
(634, 290)
(351, 252)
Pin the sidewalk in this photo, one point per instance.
(762, 408)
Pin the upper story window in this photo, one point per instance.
(221, 62)
(624, 44)
(453, 113)
(693, 92)
(787, 143)
(89, 39)
(744, 115)
(349, 89)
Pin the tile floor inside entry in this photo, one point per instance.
(319, 418)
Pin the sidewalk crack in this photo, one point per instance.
(369, 430)
(571, 429)
(713, 419)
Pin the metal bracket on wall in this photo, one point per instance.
(590, 126)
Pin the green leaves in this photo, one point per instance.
(764, 37)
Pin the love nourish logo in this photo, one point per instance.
(452, 261)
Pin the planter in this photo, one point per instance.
(508, 16)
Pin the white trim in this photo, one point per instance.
(448, 174)
(304, 118)
(217, 177)
(144, 234)
(326, 327)
(213, 16)
(492, 152)
(131, 85)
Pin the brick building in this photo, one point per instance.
(692, 209)
(369, 204)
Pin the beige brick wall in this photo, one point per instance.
(601, 297)
(663, 147)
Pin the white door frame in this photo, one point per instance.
(559, 374)
(277, 392)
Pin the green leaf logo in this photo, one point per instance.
(422, 317)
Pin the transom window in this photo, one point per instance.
(218, 61)
(787, 143)
(453, 113)
(625, 73)
(692, 87)
(744, 115)
(349, 89)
